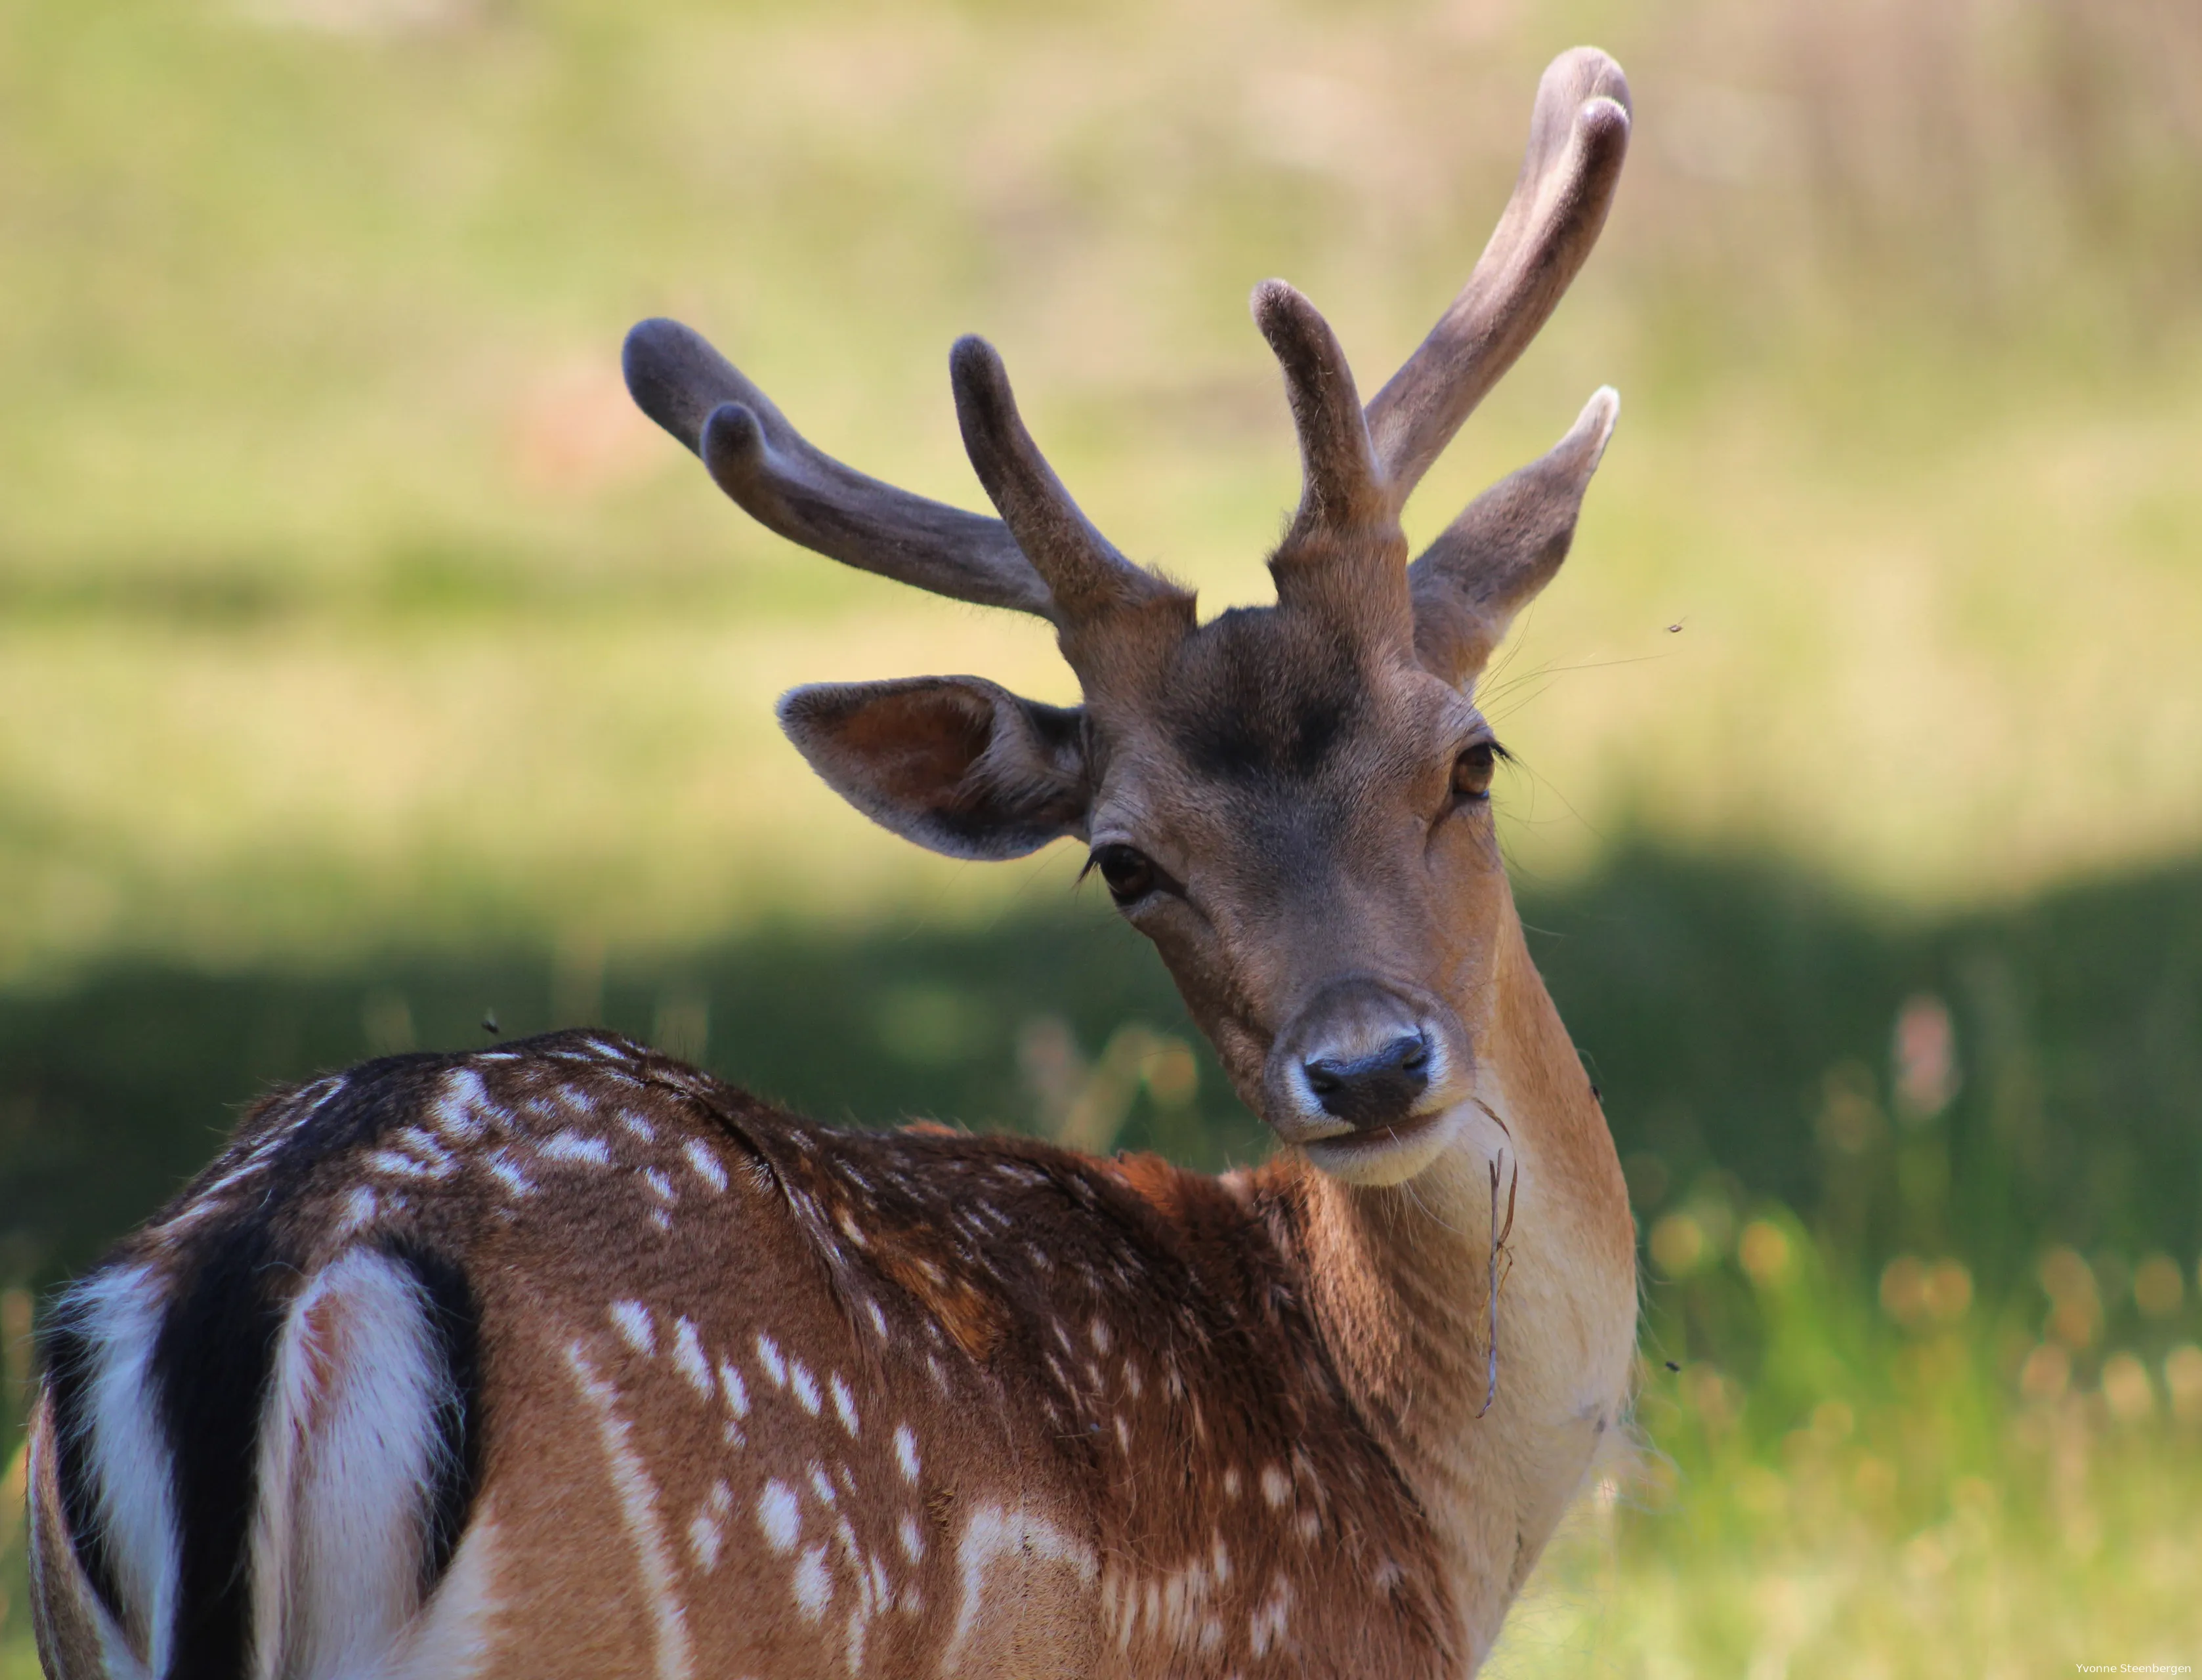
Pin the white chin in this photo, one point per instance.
(1385, 1160)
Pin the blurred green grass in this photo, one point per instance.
(1921, 1389)
(366, 663)
(344, 602)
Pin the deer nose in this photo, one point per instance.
(1373, 1090)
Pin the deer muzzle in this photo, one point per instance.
(1364, 1061)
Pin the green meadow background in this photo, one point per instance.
(372, 677)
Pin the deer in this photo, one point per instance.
(562, 1357)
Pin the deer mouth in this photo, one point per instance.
(1388, 1153)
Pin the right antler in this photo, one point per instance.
(1578, 135)
(1047, 560)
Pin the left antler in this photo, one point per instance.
(789, 486)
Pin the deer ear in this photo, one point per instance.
(955, 763)
(1490, 562)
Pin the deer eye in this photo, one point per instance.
(1129, 872)
(1471, 771)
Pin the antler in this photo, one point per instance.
(806, 496)
(1578, 135)
(1085, 575)
(1340, 486)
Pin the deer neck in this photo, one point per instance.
(1397, 1282)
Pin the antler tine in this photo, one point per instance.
(790, 487)
(1578, 136)
(1340, 486)
(1085, 575)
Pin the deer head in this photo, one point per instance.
(1292, 802)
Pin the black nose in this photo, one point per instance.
(1373, 1090)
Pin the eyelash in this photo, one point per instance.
(1477, 776)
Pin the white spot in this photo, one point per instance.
(688, 1357)
(913, 1539)
(1231, 1481)
(994, 1534)
(359, 1208)
(775, 1367)
(1266, 1627)
(1123, 1434)
(640, 1127)
(660, 1186)
(454, 1107)
(704, 1539)
(879, 1318)
(779, 1516)
(502, 1169)
(1132, 1376)
(820, 1486)
(704, 1163)
(638, 1497)
(1100, 1332)
(403, 1167)
(1310, 1526)
(814, 1587)
(736, 1390)
(845, 1403)
(631, 1319)
(905, 1445)
(574, 1146)
(1276, 1487)
(805, 1386)
(660, 1220)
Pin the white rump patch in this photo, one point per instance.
(637, 1498)
(349, 1446)
(118, 1315)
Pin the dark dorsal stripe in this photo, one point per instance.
(215, 1358)
(211, 1364)
(65, 1355)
